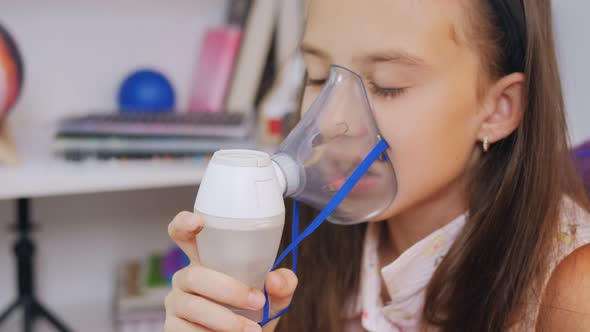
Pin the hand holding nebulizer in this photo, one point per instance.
(242, 205)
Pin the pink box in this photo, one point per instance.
(219, 52)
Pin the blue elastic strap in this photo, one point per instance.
(358, 173)
(294, 234)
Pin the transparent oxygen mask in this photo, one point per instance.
(326, 147)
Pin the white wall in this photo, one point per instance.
(77, 52)
(573, 40)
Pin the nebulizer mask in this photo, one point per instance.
(334, 160)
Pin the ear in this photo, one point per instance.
(503, 108)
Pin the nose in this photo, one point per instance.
(346, 108)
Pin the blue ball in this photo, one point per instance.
(146, 91)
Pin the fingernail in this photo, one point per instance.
(276, 280)
(193, 221)
(255, 299)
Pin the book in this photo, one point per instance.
(166, 136)
(289, 29)
(81, 148)
(151, 125)
(219, 51)
(237, 13)
(256, 44)
(139, 296)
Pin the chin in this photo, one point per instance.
(393, 210)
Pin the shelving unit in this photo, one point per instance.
(40, 174)
(53, 177)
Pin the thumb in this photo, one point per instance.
(183, 230)
(280, 286)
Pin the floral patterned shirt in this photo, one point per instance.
(408, 275)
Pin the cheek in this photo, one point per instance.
(432, 134)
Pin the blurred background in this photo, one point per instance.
(121, 103)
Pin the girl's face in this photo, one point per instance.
(421, 78)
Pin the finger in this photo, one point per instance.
(183, 230)
(280, 286)
(218, 287)
(198, 310)
(175, 324)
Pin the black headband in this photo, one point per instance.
(511, 19)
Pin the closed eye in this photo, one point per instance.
(316, 82)
(386, 92)
(374, 88)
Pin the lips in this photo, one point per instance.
(341, 170)
(366, 183)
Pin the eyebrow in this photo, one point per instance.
(396, 56)
(309, 49)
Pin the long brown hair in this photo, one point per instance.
(515, 196)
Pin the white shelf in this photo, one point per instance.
(40, 174)
(53, 177)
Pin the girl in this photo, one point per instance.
(489, 230)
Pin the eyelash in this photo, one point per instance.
(386, 92)
(382, 92)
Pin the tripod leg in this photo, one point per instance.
(29, 315)
(9, 310)
(42, 312)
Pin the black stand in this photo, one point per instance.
(24, 250)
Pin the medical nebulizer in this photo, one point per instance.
(334, 160)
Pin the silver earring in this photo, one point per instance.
(486, 144)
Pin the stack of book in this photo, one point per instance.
(140, 294)
(141, 289)
(153, 135)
